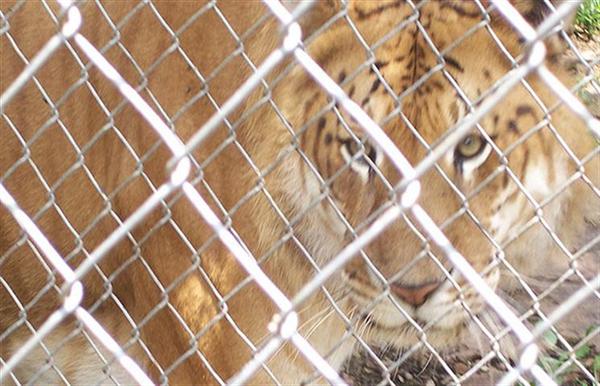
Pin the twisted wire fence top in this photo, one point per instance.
(110, 181)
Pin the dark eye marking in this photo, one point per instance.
(341, 76)
(354, 147)
(380, 64)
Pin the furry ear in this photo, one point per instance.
(535, 11)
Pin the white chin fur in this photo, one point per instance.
(440, 307)
(387, 313)
(449, 312)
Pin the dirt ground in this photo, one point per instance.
(580, 329)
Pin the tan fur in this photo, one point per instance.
(159, 279)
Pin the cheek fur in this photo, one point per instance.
(356, 198)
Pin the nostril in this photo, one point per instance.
(414, 295)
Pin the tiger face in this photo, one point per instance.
(499, 194)
(297, 177)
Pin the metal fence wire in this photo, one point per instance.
(345, 192)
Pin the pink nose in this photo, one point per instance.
(414, 295)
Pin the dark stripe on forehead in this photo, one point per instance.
(453, 63)
(375, 85)
(351, 91)
(457, 6)
(496, 119)
(362, 15)
(525, 109)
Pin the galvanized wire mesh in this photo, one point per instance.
(41, 351)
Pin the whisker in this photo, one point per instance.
(327, 311)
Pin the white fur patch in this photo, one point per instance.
(362, 168)
(536, 180)
(323, 230)
(507, 216)
(387, 313)
(443, 307)
(471, 164)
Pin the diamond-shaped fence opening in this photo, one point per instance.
(346, 192)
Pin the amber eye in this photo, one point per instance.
(361, 157)
(470, 147)
(471, 153)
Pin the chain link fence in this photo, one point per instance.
(178, 207)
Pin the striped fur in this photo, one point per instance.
(315, 176)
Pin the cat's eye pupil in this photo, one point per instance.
(470, 146)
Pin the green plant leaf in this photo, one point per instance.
(596, 365)
(587, 19)
(550, 338)
(582, 352)
(591, 328)
(563, 357)
(550, 364)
